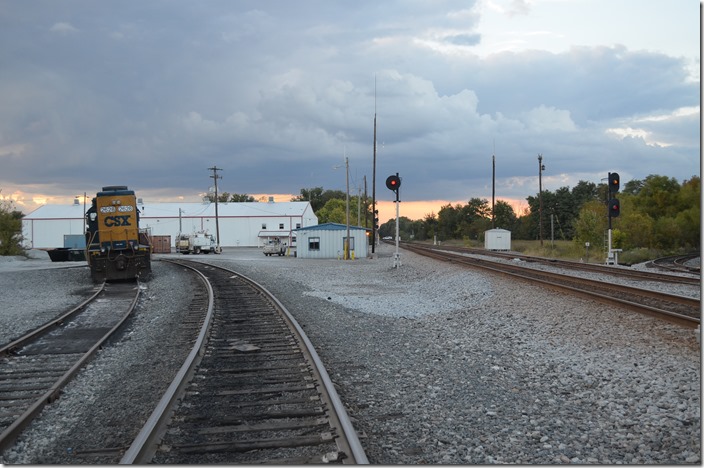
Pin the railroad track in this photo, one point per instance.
(35, 367)
(677, 309)
(253, 390)
(677, 263)
(592, 267)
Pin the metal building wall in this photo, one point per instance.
(331, 243)
(49, 233)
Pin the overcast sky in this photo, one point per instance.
(150, 94)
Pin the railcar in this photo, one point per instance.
(116, 249)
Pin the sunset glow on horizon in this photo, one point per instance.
(413, 209)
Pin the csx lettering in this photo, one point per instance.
(112, 221)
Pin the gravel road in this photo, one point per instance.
(436, 364)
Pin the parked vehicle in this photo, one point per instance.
(195, 243)
(275, 247)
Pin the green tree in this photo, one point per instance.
(241, 198)
(334, 211)
(314, 196)
(10, 229)
(448, 221)
(430, 225)
(318, 197)
(591, 224)
(658, 196)
(504, 216)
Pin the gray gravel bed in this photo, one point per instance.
(687, 290)
(436, 364)
(112, 398)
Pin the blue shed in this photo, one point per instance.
(327, 241)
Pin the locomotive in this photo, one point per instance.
(116, 249)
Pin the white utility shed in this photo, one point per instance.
(327, 241)
(497, 239)
(241, 224)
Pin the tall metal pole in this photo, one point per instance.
(374, 177)
(493, 190)
(540, 196)
(397, 256)
(215, 176)
(347, 211)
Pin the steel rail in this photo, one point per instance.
(568, 264)
(557, 281)
(146, 444)
(351, 442)
(10, 434)
(49, 326)
(143, 447)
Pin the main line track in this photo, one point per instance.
(677, 309)
(253, 389)
(572, 265)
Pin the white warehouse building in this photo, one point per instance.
(240, 224)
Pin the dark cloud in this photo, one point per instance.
(278, 93)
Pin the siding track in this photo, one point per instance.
(253, 390)
(35, 367)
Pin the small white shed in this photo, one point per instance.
(497, 239)
(327, 241)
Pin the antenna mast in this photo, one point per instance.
(493, 186)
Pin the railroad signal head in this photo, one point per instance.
(614, 208)
(393, 182)
(614, 182)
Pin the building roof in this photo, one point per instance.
(329, 227)
(187, 210)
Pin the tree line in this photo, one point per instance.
(657, 212)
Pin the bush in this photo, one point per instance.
(10, 229)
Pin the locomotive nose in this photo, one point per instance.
(120, 262)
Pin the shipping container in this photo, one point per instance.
(161, 244)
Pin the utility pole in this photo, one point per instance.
(541, 168)
(215, 177)
(347, 211)
(366, 207)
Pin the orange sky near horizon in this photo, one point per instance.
(414, 210)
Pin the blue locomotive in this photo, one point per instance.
(116, 249)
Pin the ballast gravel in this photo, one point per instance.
(436, 363)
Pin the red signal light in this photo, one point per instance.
(614, 208)
(393, 182)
